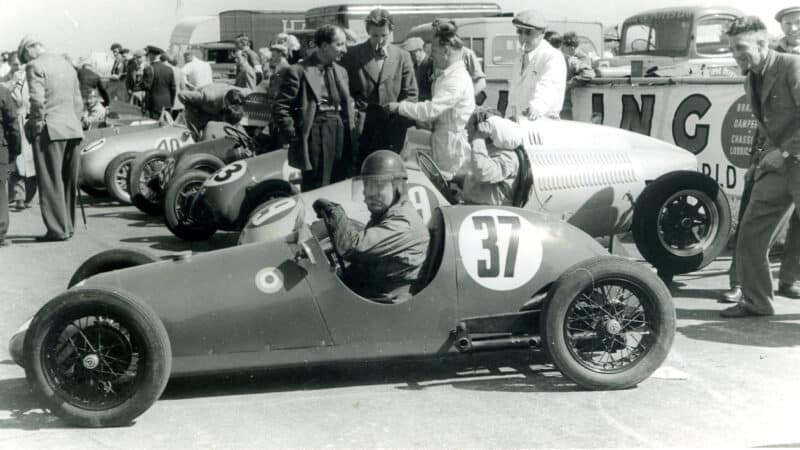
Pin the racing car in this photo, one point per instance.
(604, 180)
(494, 278)
(105, 162)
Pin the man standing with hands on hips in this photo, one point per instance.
(54, 129)
(773, 85)
(539, 77)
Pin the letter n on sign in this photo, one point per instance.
(635, 118)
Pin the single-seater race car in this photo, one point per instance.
(495, 278)
(106, 162)
(604, 180)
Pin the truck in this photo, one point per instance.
(679, 41)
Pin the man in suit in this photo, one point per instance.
(89, 80)
(312, 112)
(54, 129)
(159, 84)
(379, 73)
(134, 72)
(9, 150)
(773, 85)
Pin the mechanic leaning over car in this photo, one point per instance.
(539, 77)
(209, 103)
(493, 167)
(387, 254)
(773, 87)
(452, 104)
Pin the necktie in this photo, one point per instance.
(330, 85)
(524, 64)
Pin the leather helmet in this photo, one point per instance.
(384, 164)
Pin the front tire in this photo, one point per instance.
(97, 358)
(608, 323)
(117, 177)
(146, 193)
(177, 207)
(681, 222)
(106, 261)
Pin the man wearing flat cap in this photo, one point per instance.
(54, 129)
(133, 78)
(159, 84)
(538, 79)
(789, 18)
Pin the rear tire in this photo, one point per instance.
(114, 259)
(117, 177)
(86, 386)
(588, 324)
(146, 194)
(177, 205)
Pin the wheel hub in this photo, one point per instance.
(612, 327)
(91, 361)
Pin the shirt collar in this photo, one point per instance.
(451, 69)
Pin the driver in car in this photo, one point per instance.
(387, 254)
(494, 164)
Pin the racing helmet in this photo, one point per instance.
(383, 164)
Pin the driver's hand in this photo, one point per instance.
(324, 208)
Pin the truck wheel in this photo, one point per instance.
(608, 323)
(106, 261)
(118, 175)
(146, 193)
(681, 222)
(178, 200)
(88, 386)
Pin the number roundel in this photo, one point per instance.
(227, 174)
(500, 250)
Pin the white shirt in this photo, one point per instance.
(449, 110)
(198, 73)
(4, 69)
(541, 86)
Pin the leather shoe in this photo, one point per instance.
(738, 311)
(49, 238)
(789, 290)
(732, 295)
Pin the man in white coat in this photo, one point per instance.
(538, 80)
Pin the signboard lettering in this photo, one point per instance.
(695, 104)
(635, 118)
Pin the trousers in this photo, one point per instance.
(770, 200)
(3, 207)
(325, 148)
(57, 164)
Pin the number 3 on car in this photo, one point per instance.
(492, 243)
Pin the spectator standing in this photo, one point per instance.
(539, 77)
(118, 68)
(88, 80)
(245, 73)
(197, 72)
(9, 149)
(180, 83)
(313, 112)
(4, 65)
(54, 128)
(773, 86)
(452, 104)
(134, 78)
(22, 180)
(117, 89)
(415, 47)
(427, 75)
(244, 45)
(579, 70)
(379, 73)
(159, 84)
(789, 18)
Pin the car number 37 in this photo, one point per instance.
(492, 244)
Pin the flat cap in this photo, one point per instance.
(138, 52)
(530, 19)
(412, 44)
(26, 42)
(153, 49)
(279, 47)
(785, 11)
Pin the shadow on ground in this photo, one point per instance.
(174, 244)
(780, 330)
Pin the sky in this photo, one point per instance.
(79, 27)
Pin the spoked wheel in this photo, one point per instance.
(681, 222)
(178, 200)
(146, 192)
(97, 358)
(608, 324)
(117, 176)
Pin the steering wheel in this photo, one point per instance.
(432, 171)
(240, 136)
(327, 221)
(165, 119)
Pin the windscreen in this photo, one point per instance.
(657, 35)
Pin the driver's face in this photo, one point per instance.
(378, 195)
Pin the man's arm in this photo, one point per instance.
(10, 125)
(447, 96)
(492, 169)
(549, 92)
(284, 101)
(354, 243)
(475, 71)
(582, 70)
(103, 92)
(408, 90)
(147, 77)
(36, 88)
(172, 82)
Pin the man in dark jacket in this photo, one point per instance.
(387, 255)
(88, 79)
(9, 149)
(312, 112)
(159, 84)
(380, 73)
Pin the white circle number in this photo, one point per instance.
(500, 249)
(227, 174)
(269, 280)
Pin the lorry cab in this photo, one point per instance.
(685, 41)
(494, 41)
